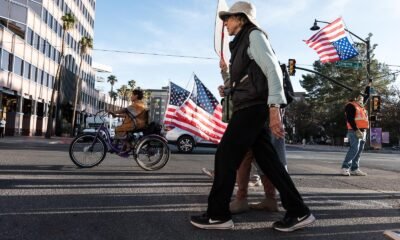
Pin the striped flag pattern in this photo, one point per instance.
(177, 97)
(331, 43)
(201, 114)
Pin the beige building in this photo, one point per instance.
(30, 49)
(157, 103)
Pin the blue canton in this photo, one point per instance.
(203, 97)
(178, 95)
(344, 49)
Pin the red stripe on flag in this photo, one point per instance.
(203, 124)
(321, 42)
(199, 120)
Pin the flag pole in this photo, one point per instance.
(222, 41)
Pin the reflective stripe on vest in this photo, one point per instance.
(361, 117)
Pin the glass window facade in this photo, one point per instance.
(39, 76)
(34, 73)
(6, 64)
(36, 7)
(18, 66)
(27, 70)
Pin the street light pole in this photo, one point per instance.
(369, 78)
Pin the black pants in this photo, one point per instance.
(1, 132)
(246, 130)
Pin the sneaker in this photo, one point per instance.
(255, 181)
(268, 204)
(208, 172)
(358, 172)
(290, 224)
(205, 222)
(239, 206)
(345, 172)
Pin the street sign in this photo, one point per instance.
(354, 65)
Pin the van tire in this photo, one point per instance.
(185, 144)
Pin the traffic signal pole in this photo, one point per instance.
(322, 75)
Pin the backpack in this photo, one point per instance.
(287, 86)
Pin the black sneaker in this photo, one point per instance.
(205, 222)
(290, 224)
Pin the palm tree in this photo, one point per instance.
(112, 80)
(132, 84)
(123, 92)
(68, 24)
(86, 43)
(113, 96)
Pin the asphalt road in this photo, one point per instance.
(44, 196)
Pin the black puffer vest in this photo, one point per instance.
(248, 83)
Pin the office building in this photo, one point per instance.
(30, 52)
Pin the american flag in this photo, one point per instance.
(177, 97)
(331, 43)
(201, 114)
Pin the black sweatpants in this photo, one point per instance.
(246, 130)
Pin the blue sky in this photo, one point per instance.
(186, 27)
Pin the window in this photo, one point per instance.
(18, 66)
(6, 64)
(42, 45)
(50, 21)
(36, 7)
(21, 1)
(27, 70)
(48, 49)
(36, 41)
(44, 15)
(29, 36)
(55, 25)
(39, 76)
(33, 73)
(51, 81)
(58, 56)
(52, 53)
(19, 13)
(45, 79)
(59, 30)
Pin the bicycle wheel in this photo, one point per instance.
(87, 151)
(151, 153)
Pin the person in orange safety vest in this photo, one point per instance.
(357, 127)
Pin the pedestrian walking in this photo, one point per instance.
(357, 126)
(257, 92)
(240, 203)
(2, 127)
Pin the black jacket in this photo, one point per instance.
(248, 83)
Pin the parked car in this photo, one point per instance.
(184, 140)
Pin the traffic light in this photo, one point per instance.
(376, 103)
(292, 67)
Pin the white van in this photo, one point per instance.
(92, 124)
(184, 140)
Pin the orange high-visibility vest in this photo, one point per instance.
(361, 117)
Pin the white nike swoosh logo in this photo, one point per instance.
(302, 218)
(213, 221)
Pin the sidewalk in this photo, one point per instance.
(330, 148)
(36, 139)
